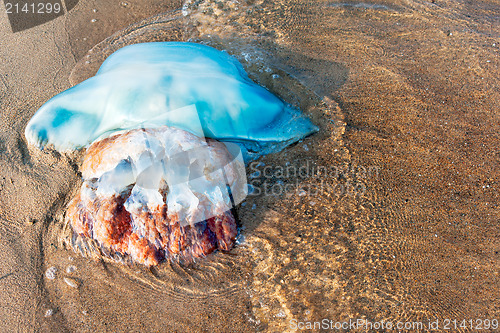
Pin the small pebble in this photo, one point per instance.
(71, 282)
(50, 273)
(70, 269)
(49, 313)
(93, 20)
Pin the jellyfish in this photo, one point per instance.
(167, 128)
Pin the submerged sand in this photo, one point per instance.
(393, 212)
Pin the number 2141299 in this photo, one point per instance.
(38, 8)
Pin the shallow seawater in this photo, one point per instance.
(221, 278)
(388, 213)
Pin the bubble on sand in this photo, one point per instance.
(70, 269)
(50, 273)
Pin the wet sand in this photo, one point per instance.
(393, 212)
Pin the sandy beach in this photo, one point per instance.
(389, 214)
